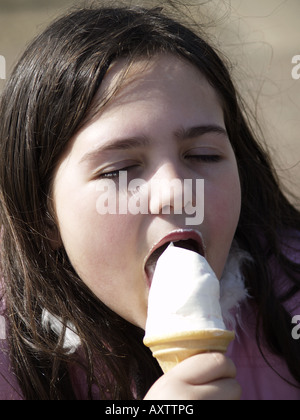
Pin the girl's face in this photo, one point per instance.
(165, 123)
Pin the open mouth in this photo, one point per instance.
(191, 244)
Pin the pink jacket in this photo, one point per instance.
(257, 379)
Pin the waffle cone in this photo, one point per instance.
(173, 349)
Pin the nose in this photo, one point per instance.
(167, 190)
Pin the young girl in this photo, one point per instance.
(108, 91)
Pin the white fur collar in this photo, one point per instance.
(71, 339)
(232, 286)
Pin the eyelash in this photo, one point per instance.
(205, 158)
(198, 158)
(115, 174)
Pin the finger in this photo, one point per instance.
(205, 368)
(223, 390)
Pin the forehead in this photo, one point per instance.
(149, 99)
(146, 78)
(165, 92)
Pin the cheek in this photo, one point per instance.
(223, 196)
(226, 200)
(222, 212)
(80, 224)
(92, 241)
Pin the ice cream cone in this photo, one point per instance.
(173, 349)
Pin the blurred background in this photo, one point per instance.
(260, 37)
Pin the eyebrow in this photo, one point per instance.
(114, 145)
(193, 132)
(140, 142)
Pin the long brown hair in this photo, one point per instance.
(47, 99)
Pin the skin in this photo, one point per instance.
(157, 103)
(202, 377)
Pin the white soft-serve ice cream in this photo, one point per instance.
(184, 294)
(184, 308)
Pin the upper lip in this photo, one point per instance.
(178, 235)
